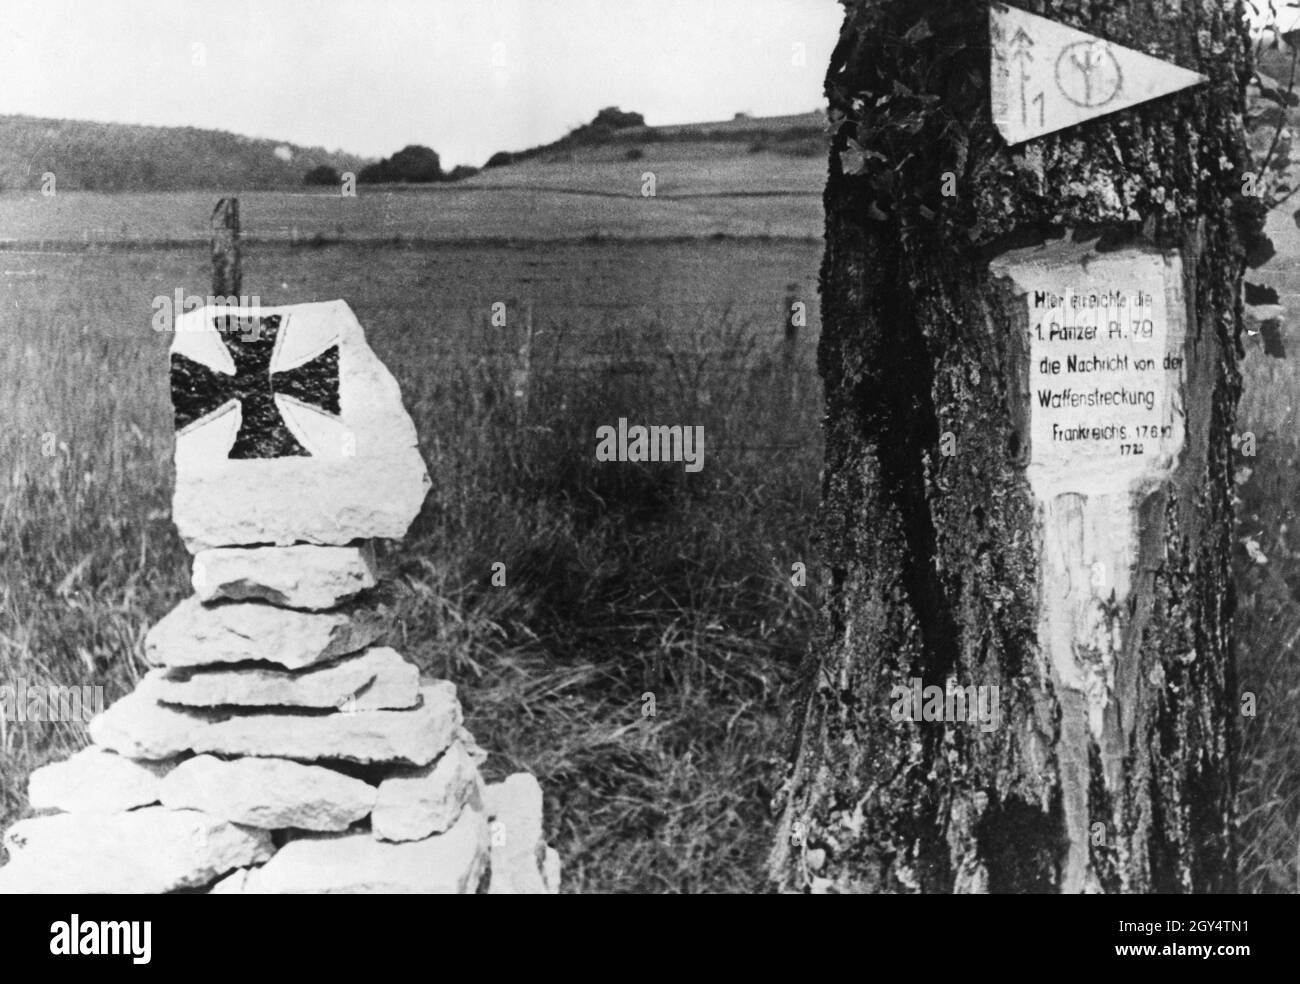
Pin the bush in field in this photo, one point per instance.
(604, 125)
(613, 118)
(323, 174)
(414, 164)
(460, 172)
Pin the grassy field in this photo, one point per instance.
(700, 191)
(622, 579)
(1267, 564)
(689, 170)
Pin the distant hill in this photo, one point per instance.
(86, 156)
(125, 157)
(743, 156)
(758, 178)
(801, 135)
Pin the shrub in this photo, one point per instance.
(323, 174)
(416, 163)
(460, 172)
(613, 118)
(413, 163)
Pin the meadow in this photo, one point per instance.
(1266, 562)
(623, 580)
(700, 191)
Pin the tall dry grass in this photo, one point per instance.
(623, 579)
(1267, 564)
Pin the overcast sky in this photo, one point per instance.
(466, 77)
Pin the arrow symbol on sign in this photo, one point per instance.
(1020, 45)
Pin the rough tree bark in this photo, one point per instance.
(932, 560)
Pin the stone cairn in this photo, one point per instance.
(276, 747)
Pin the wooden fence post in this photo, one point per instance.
(226, 274)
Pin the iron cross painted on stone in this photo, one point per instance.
(200, 393)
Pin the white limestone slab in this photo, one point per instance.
(362, 474)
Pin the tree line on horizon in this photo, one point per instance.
(417, 164)
(413, 164)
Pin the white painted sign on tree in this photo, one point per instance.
(1098, 372)
(1102, 342)
(1045, 76)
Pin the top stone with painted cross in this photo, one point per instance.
(288, 430)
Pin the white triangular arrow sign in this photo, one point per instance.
(1045, 76)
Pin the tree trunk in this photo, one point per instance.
(941, 562)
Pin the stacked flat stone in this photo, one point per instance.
(276, 746)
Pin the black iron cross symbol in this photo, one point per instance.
(198, 392)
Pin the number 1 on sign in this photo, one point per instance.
(1025, 103)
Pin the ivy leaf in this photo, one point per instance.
(1259, 293)
(918, 32)
(874, 211)
(853, 159)
(1260, 249)
(912, 123)
(1282, 97)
